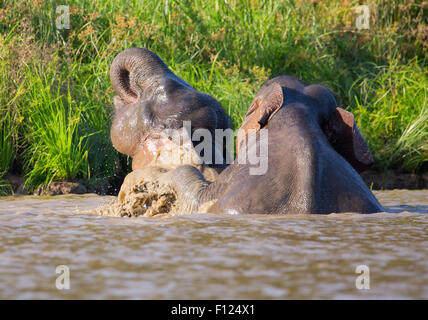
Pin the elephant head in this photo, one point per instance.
(337, 124)
(152, 100)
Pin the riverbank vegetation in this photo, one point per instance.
(56, 96)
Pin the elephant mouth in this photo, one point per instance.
(169, 151)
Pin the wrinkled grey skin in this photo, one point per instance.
(305, 172)
(151, 99)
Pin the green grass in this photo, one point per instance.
(56, 97)
(57, 147)
(6, 152)
(393, 115)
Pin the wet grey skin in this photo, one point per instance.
(152, 98)
(311, 146)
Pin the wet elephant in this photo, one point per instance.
(152, 100)
(315, 152)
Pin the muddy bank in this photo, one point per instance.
(387, 180)
(100, 187)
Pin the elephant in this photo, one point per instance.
(151, 100)
(315, 154)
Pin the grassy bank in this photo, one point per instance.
(56, 97)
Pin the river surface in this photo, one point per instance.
(212, 256)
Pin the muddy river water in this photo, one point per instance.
(206, 256)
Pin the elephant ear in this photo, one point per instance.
(345, 137)
(270, 103)
(264, 106)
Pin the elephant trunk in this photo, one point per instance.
(190, 186)
(133, 70)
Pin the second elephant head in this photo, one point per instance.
(151, 99)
